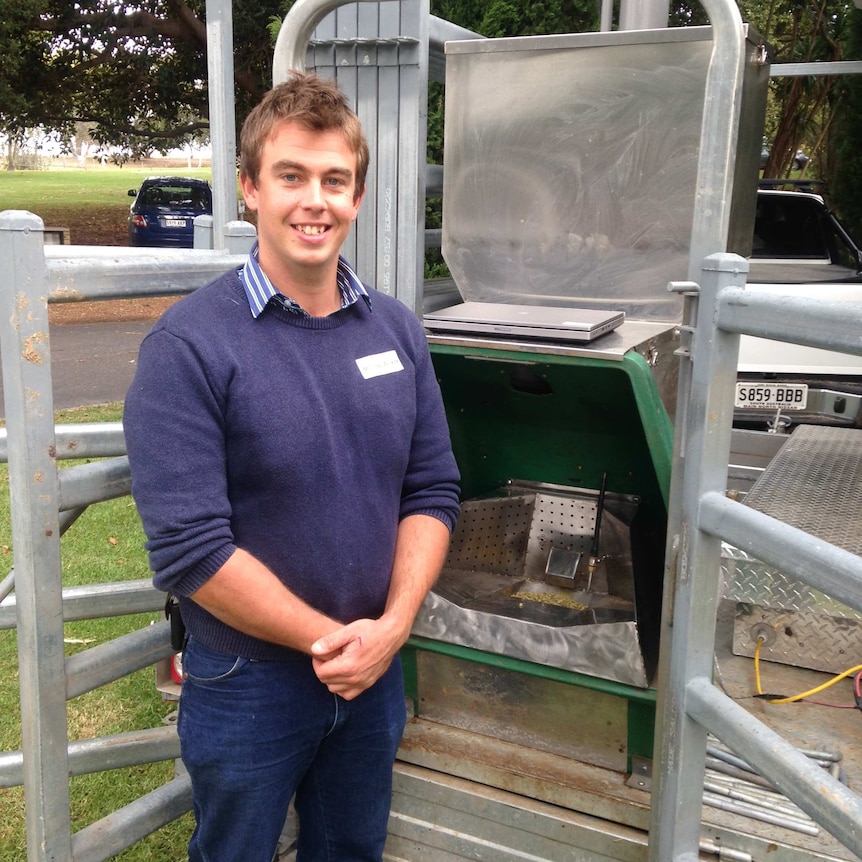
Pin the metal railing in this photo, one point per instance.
(45, 502)
(718, 311)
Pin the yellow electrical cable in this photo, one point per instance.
(819, 688)
(804, 694)
(757, 665)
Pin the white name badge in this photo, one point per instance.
(378, 364)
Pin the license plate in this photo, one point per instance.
(778, 396)
(175, 222)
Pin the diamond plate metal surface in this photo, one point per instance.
(815, 641)
(746, 579)
(814, 484)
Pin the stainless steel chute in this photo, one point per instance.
(496, 592)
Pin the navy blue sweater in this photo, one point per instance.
(301, 440)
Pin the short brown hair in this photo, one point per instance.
(313, 102)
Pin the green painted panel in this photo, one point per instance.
(563, 419)
(557, 419)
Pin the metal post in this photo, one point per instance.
(222, 115)
(719, 133)
(33, 485)
(641, 15)
(689, 613)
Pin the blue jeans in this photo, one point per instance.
(255, 733)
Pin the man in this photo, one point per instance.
(292, 467)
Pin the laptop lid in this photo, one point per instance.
(553, 323)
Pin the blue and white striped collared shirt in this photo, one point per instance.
(259, 290)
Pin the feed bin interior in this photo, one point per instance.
(537, 438)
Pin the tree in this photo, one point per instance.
(135, 73)
(845, 150)
(801, 108)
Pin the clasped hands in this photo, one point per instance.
(352, 658)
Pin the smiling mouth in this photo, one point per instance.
(311, 229)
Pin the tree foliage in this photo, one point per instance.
(846, 186)
(802, 108)
(135, 72)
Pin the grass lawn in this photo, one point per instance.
(92, 202)
(93, 186)
(104, 545)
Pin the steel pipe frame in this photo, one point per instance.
(84, 484)
(97, 600)
(110, 835)
(79, 273)
(34, 488)
(87, 756)
(812, 788)
(689, 705)
(99, 665)
(46, 503)
(81, 440)
(689, 607)
(797, 319)
(827, 568)
(222, 116)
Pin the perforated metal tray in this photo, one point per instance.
(494, 593)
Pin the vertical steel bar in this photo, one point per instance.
(388, 118)
(413, 133)
(222, 116)
(368, 223)
(689, 616)
(34, 490)
(719, 132)
(688, 612)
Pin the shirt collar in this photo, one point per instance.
(259, 290)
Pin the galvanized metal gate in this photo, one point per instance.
(690, 705)
(46, 501)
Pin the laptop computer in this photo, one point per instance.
(553, 323)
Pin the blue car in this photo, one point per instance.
(163, 212)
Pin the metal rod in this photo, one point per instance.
(118, 751)
(104, 839)
(827, 568)
(126, 654)
(720, 802)
(753, 794)
(828, 801)
(98, 600)
(594, 549)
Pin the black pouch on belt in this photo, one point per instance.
(178, 628)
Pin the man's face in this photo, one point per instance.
(306, 200)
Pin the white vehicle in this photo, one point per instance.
(799, 247)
